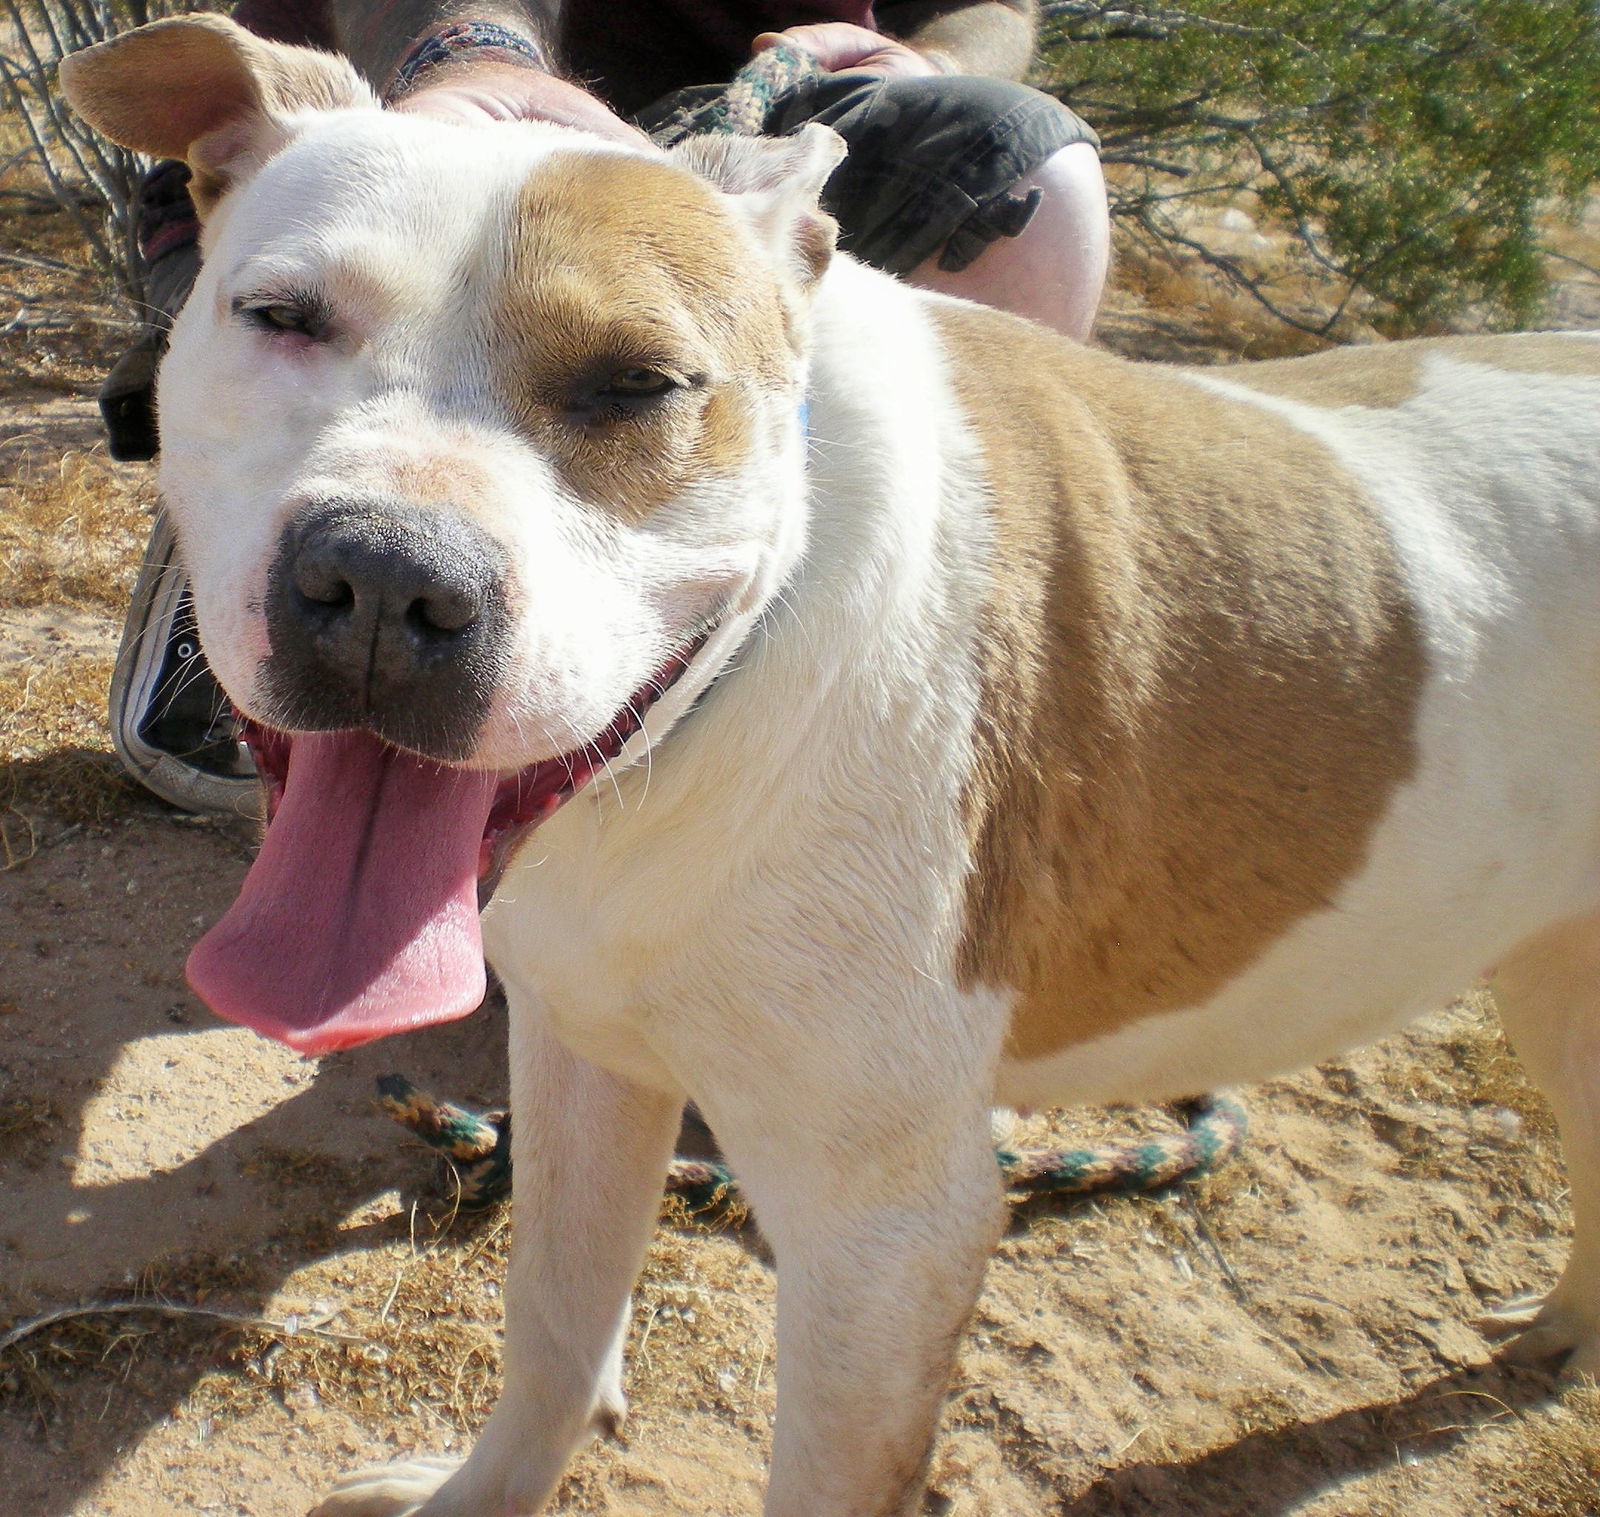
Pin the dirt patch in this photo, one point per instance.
(1293, 1334)
(289, 1299)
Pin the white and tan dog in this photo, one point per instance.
(972, 718)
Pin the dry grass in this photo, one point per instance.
(1554, 1465)
(1478, 1067)
(55, 755)
(71, 530)
(62, 328)
(429, 1321)
(426, 1324)
(42, 1373)
(72, 526)
(1228, 322)
(1470, 1066)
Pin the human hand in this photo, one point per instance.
(472, 91)
(841, 47)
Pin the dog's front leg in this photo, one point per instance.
(882, 1213)
(589, 1152)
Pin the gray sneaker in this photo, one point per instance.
(171, 724)
(173, 727)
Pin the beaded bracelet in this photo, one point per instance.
(460, 37)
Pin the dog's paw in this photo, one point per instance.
(1545, 1333)
(390, 1490)
(1515, 1316)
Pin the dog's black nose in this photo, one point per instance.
(390, 617)
(372, 581)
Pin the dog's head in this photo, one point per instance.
(484, 448)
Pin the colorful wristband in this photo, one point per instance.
(460, 37)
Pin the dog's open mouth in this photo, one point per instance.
(522, 800)
(359, 917)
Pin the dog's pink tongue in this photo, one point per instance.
(360, 916)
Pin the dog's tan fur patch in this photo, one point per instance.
(618, 263)
(1385, 376)
(1200, 676)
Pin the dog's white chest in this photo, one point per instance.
(551, 932)
(612, 929)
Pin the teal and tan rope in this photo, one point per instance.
(737, 108)
(478, 1147)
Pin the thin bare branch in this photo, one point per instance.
(311, 1326)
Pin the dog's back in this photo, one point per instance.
(1278, 660)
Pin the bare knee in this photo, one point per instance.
(1055, 271)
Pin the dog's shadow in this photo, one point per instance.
(147, 1152)
(263, 1229)
(1273, 1473)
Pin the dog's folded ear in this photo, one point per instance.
(203, 89)
(778, 182)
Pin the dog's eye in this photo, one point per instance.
(607, 396)
(639, 382)
(285, 316)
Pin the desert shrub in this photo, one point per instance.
(93, 180)
(1412, 148)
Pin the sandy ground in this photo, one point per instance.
(1292, 1335)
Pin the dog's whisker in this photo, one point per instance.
(784, 599)
(659, 688)
(610, 773)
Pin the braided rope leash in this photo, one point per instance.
(740, 107)
(1214, 1128)
(478, 1147)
